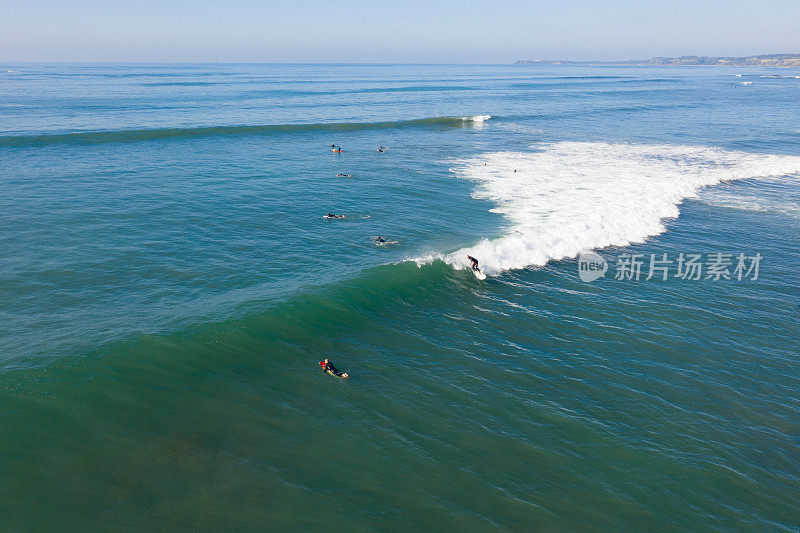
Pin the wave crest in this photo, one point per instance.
(112, 136)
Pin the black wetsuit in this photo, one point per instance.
(330, 368)
(474, 262)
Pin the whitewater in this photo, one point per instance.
(567, 197)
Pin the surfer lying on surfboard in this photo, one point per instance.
(380, 241)
(328, 368)
(334, 216)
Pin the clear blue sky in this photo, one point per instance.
(498, 31)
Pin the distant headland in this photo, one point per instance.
(765, 60)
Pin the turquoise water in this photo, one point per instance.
(168, 285)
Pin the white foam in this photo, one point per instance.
(480, 119)
(751, 202)
(574, 196)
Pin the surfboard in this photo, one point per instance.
(384, 243)
(343, 375)
(478, 274)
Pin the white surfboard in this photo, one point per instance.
(478, 274)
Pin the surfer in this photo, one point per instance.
(341, 175)
(333, 216)
(475, 270)
(381, 148)
(379, 239)
(328, 368)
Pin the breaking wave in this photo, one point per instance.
(573, 196)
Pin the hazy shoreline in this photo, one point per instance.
(766, 60)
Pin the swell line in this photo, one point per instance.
(112, 136)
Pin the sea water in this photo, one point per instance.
(168, 285)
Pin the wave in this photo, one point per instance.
(581, 82)
(594, 77)
(183, 83)
(573, 196)
(295, 92)
(257, 93)
(413, 88)
(112, 136)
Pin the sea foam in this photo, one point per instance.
(479, 119)
(573, 196)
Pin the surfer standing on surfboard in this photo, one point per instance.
(475, 270)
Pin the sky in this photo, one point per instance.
(412, 31)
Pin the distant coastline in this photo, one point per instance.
(765, 60)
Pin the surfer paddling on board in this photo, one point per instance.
(328, 368)
(333, 216)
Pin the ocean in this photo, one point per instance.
(169, 284)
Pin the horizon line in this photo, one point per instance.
(379, 63)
